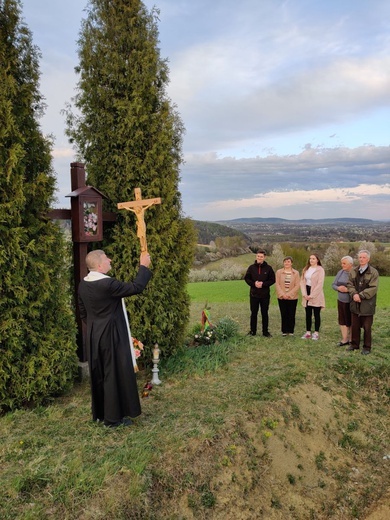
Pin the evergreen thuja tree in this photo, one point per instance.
(37, 329)
(129, 134)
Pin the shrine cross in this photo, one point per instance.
(138, 206)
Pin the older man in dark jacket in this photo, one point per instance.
(259, 276)
(362, 287)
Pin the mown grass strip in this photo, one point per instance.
(237, 291)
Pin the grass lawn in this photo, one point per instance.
(238, 291)
(278, 428)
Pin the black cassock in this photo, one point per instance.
(113, 381)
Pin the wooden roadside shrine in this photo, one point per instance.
(87, 219)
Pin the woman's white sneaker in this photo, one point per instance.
(315, 336)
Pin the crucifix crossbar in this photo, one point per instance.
(138, 206)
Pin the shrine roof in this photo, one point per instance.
(85, 190)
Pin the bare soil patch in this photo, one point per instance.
(308, 456)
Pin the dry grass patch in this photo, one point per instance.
(284, 460)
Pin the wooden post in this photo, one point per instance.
(80, 250)
(80, 242)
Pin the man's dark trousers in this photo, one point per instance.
(263, 303)
(357, 323)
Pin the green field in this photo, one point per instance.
(237, 291)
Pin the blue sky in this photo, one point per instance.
(286, 103)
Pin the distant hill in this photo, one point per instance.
(209, 231)
(307, 221)
(261, 230)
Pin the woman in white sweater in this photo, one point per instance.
(313, 299)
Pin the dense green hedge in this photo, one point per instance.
(37, 328)
(129, 134)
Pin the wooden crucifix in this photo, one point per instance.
(138, 207)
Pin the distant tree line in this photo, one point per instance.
(210, 231)
(316, 231)
(216, 241)
(330, 255)
(223, 247)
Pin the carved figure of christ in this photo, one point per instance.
(138, 206)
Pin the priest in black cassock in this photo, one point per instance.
(109, 346)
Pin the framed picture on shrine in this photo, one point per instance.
(91, 209)
(87, 215)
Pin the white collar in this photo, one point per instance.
(93, 276)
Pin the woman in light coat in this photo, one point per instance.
(313, 298)
(287, 288)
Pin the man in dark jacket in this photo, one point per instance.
(259, 276)
(110, 356)
(362, 287)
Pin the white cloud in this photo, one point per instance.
(276, 199)
(311, 98)
(63, 153)
(332, 179)
(361, 201)
(314, 166)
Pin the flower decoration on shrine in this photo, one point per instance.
(90, 218)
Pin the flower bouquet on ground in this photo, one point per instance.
(206, 318)
(205, 337)
(225, 329)
(147, 389)
(138, 347)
